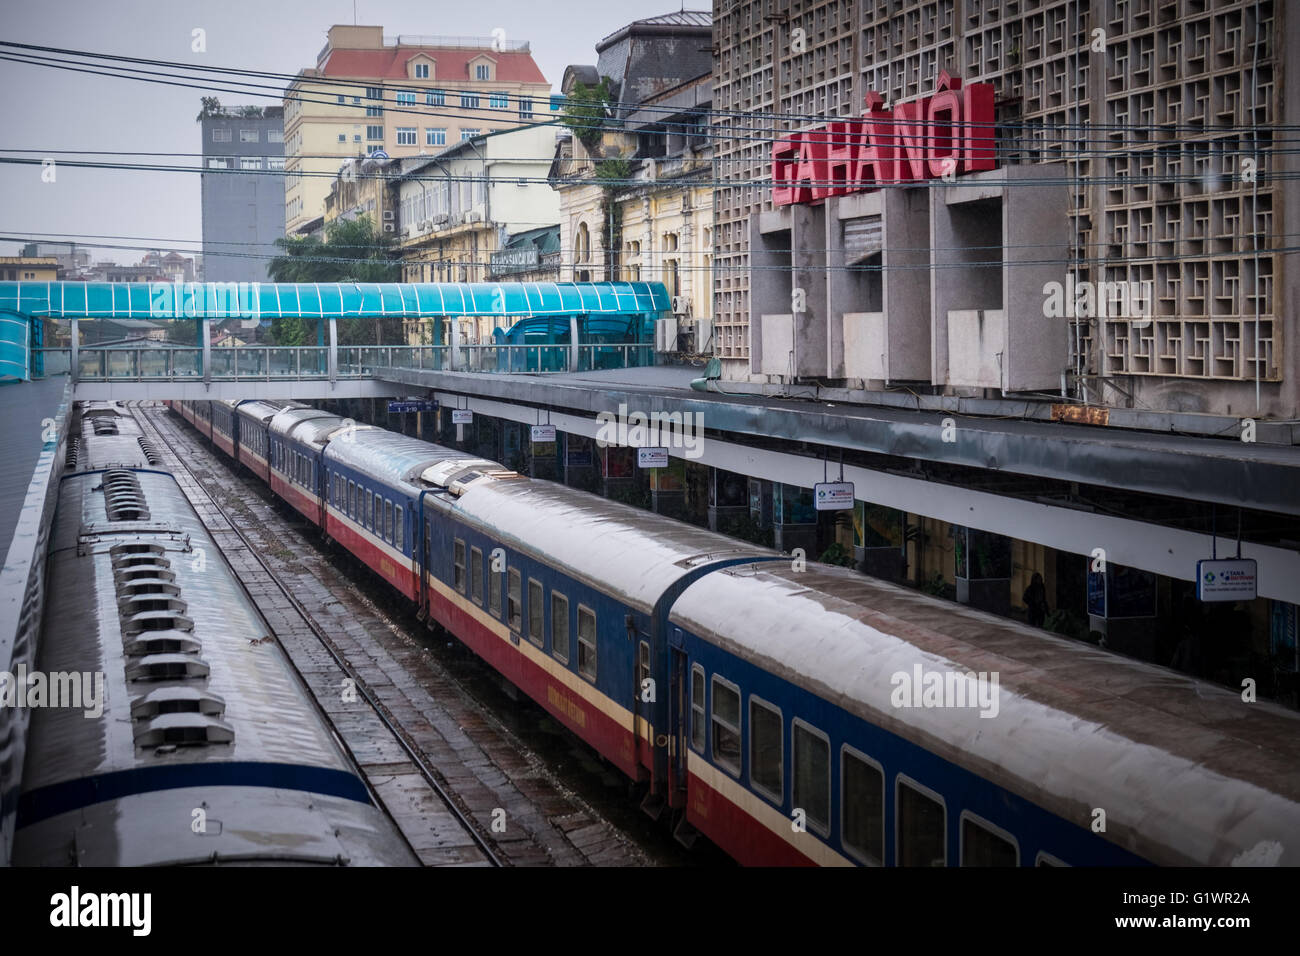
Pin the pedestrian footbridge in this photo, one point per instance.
(539, 328)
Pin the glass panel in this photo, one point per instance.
(920, 829)
(726, 725)
(536, 613)
(586, 643)
(765, 757)
(514, 617)
(476, 574)
(812, 785)
(982, 847)
(863, 793)
(560, 626)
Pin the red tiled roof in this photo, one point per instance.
(452, 64)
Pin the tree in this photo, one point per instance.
(211, 106)
(352, 251)
(586, 109)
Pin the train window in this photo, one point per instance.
(476, 574)
(371, 497)
(726, 724)
(536, 613)
(388, 521)
(560, 626)
(862, 803)
(983, 844)
(586, 642)
(812, 774)
(514, 616)
(399, 528)
(458, 563)
(766, 757)
(351, 504)
(494, 591)
(922, 838)
(697, 707)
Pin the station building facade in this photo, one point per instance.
(1016, 196)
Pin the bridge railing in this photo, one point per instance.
(528, 359)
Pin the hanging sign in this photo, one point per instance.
(652, 457)
(461, 416)
(543, 433)
(833, 495)
(1229, 580)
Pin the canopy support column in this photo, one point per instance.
(205, 331)
(334, 350)
(76, 362)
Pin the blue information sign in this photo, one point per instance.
(412, 406)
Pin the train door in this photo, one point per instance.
(678, 707)
(644, 694)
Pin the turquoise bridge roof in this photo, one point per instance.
(221, 300)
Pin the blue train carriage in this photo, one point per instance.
(566, 594)
(253, 449)
(225, 434)
(193, 740)
(298, 436)
(810, 691)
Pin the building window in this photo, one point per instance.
(435, 98)
(342, 98)
(862, 810)
(983, 844)
(405, 98)
(406, 136)
(458, 565)
(766, 755)
(482, 71)
(435, 137)
(469, 101)
(374, 92)
(525, 107)
(250, 162)
(374, 111)
(812, 775)
(275, 162)
(586, 642)
(476, 574)
(356, 137)
(726, 724)
(494, 592)
(374, 132)
(922, 822)
(560, 626)
(468, 134)
(218, 162)
(499, 101)
(697, 708)
(421, 71)
(220, 135)
(356, 101)
(248, 136)
(514, 613)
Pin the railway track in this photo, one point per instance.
(461, 789)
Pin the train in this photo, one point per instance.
(181, 733)
(792, 713)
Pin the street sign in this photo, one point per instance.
(543, 433)
(833, 495)
(412, 406)
(652, 457)
(1229, 580)
(461, 416)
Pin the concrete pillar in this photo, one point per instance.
(206, 330)
(573, 344)
(76, 336)
(334, 350)
(728, 500)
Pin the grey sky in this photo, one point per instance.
(48, 109)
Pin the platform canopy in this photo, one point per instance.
(224, 300)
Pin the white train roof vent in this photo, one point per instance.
(167, 667)
(155, 572)
(123, 497)
(443, 472)
(708, 557)
(150, 455)
(183, 730)
(161, 642)
(177, 700)
(122, 553)
(104, 424)
(73, 453)
(159, 620)
(139, 586)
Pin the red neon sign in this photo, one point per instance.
(949, 131)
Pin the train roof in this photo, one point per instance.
(1133, 738)
(635, 553)
(107, 434)
(400, 459)
(307, 425)
(259, 410)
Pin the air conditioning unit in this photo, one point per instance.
(439, 219)
(474, 216)
(681, 305)
(665, 335)
(426, 226)
(388, 214)
(703, 336)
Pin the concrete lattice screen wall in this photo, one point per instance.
(1146, 105)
